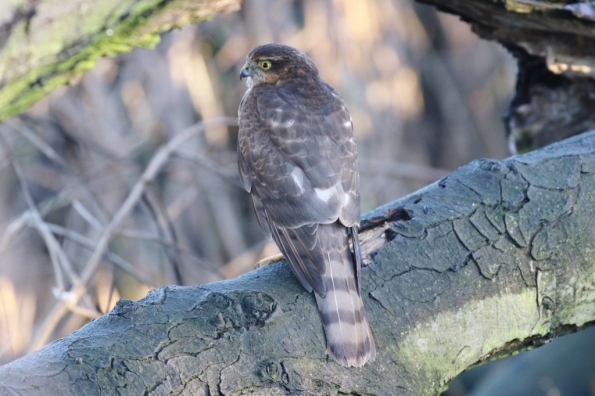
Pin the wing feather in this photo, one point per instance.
(305, 263)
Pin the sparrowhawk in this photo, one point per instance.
(298, 158)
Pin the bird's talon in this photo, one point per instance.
(268, 260)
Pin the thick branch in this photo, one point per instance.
(45, 43)
(495, 258)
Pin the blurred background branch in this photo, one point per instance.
(553, 44)
(44, 44)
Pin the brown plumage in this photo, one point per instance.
(298, 158)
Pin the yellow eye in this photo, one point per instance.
(265, 64)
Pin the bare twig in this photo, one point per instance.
(57, 256)
(136, 193)
(13, 230)
(207, 163)
(165, 230)
(181, 203)
(111, 256)
(135, 234)
(86, 214)
(35, 140)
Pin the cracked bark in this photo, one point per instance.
(495, 258)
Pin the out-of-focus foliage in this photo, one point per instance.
(426, 96)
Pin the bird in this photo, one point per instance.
(297, 157)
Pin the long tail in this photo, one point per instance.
(348, 335)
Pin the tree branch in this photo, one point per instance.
(44, 44)
(495, 258)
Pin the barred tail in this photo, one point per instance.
(348, 335)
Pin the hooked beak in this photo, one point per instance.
(245, 72)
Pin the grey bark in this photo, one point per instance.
(495, 258)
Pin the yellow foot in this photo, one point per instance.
(268, 260)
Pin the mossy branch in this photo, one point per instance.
(44, 44)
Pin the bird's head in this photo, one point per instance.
(271, 63)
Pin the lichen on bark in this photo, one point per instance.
(44, 44)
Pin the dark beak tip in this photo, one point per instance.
(244, 73)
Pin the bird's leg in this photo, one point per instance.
(268, 260)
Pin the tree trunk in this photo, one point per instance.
(497, 257)
(46, 43)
